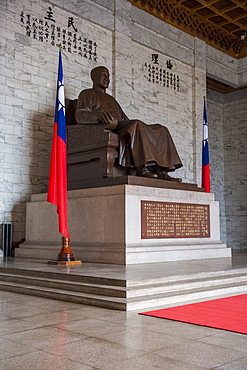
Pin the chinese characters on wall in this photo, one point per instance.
(165, 77)
(174, 220)
(46, 29)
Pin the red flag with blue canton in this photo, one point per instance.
(57, 187)
(205, 153)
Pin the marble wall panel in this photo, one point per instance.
(159, 27)
(215, 110)
(228, 155)
(235, 147)
(122, 12)
(162, 44)
(225, 68)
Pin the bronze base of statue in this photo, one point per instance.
(133, 180)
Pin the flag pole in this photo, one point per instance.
(57, 186)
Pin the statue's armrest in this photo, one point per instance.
(90, 137)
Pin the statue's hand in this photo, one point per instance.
(108, 119)
(105, 117)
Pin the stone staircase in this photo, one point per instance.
(126, 295)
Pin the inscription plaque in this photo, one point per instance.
(161, 220)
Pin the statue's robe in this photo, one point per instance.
(139, 143)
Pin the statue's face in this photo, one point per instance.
(103, 78)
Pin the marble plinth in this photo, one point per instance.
(105, 227)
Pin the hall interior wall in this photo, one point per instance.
(126, 38)
(227, 116)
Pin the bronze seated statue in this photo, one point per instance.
(103, 142)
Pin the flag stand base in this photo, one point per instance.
(65, 257)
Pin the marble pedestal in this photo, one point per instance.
(105, 227)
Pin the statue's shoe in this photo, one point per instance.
(165, 176)
(144, 172)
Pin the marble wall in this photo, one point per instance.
(215, 111)
(158, 75)
(235, 147)
(227, 116)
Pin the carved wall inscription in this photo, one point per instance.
(163, 220)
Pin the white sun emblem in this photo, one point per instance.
(61, 96)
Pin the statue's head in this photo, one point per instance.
(100, 76)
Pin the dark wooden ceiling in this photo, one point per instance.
(220, 23)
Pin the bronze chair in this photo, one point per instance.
(92, 150)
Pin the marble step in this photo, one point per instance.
(78, 286)
(186, 284)
(186, 277)
(65, 295)
(129, 304)
(141, 295)
(63, 276)
(185, 296)
(146, 288)
(122, 282)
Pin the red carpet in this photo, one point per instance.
(226, 313)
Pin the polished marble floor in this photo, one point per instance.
(38, 333)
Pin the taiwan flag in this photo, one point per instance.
(205, 153)
(57, 187)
